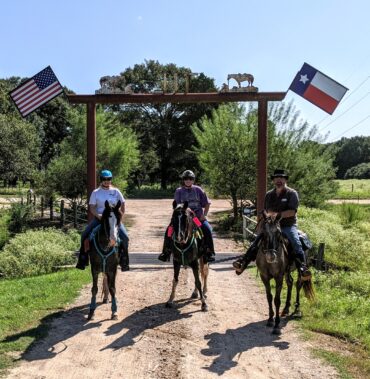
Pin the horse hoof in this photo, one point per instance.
(276, 331)
(297, 314)
(194, 295)
(285, 313)
(270, 324)
(169, 304)
(204, 308)
(105, 301)
(90, 316)
(114, 316)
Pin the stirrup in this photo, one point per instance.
(164, 257)
(305, 273)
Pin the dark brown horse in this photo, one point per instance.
(187, 251)
(273, 263)
(104, 255)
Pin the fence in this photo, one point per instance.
(69, 214)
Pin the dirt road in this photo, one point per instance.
(151, 341)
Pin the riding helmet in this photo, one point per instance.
(187, 174)
(105, 174)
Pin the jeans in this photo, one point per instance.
(122, 232)
(291, 232)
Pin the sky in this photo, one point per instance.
(83, 40)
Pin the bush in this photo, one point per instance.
(4, 225)
(37, 252)
(20, 216)
(361, 171)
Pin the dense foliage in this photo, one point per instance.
(361, 171)
(227, 153)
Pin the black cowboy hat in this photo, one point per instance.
(279, 173)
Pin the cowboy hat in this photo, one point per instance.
(279, 173)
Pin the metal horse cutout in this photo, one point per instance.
(239, 78)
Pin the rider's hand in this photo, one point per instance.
(203, 218)
(99, 216)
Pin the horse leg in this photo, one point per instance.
(94, 291)
(195, 267)
(289, 282)
(277, 301)
(266, 282)
(105, 289)
(112, 290)
(204, 271)
(297, 311)
(176, 268)
(194, 295)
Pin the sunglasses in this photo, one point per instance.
(188, 178)
(106, 179)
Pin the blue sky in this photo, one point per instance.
(83, 40)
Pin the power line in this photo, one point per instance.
(352, 127)
(331, 122)
(346, 98)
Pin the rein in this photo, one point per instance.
(183, 251)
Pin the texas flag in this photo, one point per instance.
(318, 88)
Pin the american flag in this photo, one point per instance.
(36, 91)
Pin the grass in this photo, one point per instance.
(353, 189)
(26, 305)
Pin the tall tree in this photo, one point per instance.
(227, 153)
(164, 128)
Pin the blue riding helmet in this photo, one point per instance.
(105, 174)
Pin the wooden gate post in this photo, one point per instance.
(261, 155)
(91, 152)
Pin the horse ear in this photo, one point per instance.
(106, 204)
(174, 204)
(118, 205)
(186, 204)
(264, 214)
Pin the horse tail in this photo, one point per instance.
(308, 289)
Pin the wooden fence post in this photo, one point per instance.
(320, 256)
(51, 209)
(74, 215)
(42, 206)
(62, 216)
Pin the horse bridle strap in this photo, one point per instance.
(183, 251)
(103, 257)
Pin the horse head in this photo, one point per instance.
(271, 237)
(111, 218)
(182, 222)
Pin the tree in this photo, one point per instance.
(227, 153)
(163, 128)
(116, 150)
(19, 148)
(361, 171)
(351, 152)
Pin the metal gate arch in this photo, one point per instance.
(262, 98)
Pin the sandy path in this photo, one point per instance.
(151, 341)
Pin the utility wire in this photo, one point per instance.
(352, 127)
(332, 121)
(346, 98)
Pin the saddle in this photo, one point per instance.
(305, 242)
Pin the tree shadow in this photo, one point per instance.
(149, 317)
(226, 346)
(52, 331)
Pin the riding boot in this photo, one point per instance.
(209, 256)
(302, 268)
(83, 259)
(165, 256)
(250, 255)
(124, 259)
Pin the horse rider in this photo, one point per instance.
(199, 203)
(282, 203)
(106, 191)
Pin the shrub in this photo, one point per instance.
(20, 215)
(37, 252)
(4, 224)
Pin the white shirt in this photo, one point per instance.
(100, 195)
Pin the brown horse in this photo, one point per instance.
(104, 255)
(187, 251)
(273, 263)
